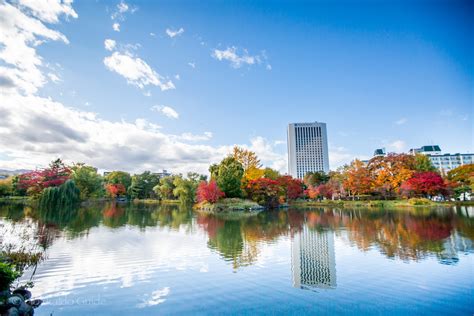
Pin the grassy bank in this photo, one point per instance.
(228, 205)
(16, 200)
(380, 203)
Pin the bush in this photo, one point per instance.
(7, 276)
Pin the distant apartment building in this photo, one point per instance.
(443, 162)
(307, 148)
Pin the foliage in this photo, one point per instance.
(389, 172)
(164, 189)
(62, 196)
(265, 192)
(253, 173)
(6, 186)
(290, 188)
(35, 182)
(185, 189)
(87, 180)
(143, 184)
(423, 163)
(247, 158)
(270, 173)
(115, 189)
(208, 192)
(324, 190)
(7, 275)
(315, 178)
(462, 179)
(357, 178)
(424, 183)
(119, 177)
(228, 175)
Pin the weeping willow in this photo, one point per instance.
(63, 196)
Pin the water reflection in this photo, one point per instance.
(313, 259)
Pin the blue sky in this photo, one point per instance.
(380, 74)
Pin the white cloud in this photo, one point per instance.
(177, 77)
(195, 138)
(21, 31)
(230, 54)
(116, 27)
(136, 71)
(401, 121)
(192, 65)
(48, 10)
(166, 110)
(173, 33)
(237, 60)
(152, 34)
(35, 130)
(109, 44)
(397, 145)
(53, 77)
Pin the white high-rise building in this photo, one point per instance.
(307, 148)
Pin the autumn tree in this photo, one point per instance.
(389, 172)
(462, 179)
(290, 188)
(119, 177)
(247, 158)
(208, 192)
(426, 183)
(35, 182)
(6, 186)
(115, 189)
(265, 192)
(357, 178)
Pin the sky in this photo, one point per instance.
(141, 85)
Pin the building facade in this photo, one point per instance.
(443, 162)
(307, 148)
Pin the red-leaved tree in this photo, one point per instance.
(208, 192)
(264, 191)
(115, 189)
(424, 183)
(291, 188)
(35, 181)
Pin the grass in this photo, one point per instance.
(415, 202)
(228, 205)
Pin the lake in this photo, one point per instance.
(129, 259)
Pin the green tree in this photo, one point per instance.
(63, 196)
(315, 178)
(88, 181)
(185, 188)
(164, 190)
(143, 184)
(119, 177)
(228, 176)
(423, 163)
(270, 173)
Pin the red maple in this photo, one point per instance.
(209, 192)
(424, 183)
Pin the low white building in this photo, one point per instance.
(443, 162)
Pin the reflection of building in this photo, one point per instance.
(313, 259)
(307, 148)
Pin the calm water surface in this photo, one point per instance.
(134, 260)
